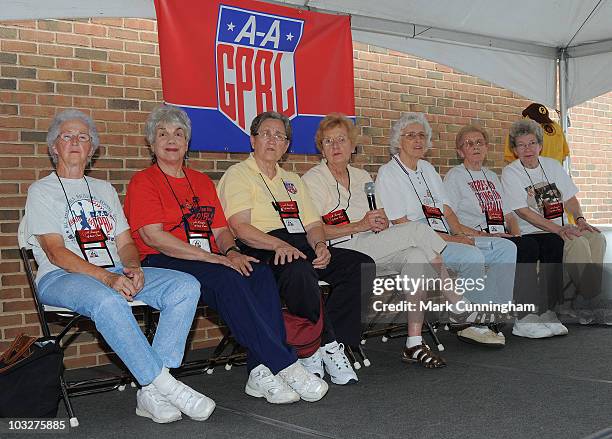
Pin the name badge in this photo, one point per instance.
(435, 218)
(198, 233)
(495, 221)
(553, 210)
(290, 216)
(337, 218)
(93, 246)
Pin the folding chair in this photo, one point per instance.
(395, 329)
(82, 387)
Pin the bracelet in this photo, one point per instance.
(233, 248)
(319, 242)
(578, 218)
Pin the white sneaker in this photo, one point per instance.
(310, 387)
(549, 318)
(530, 326)
(482, 335)
(151, 404)
(313, 364)
(337, 364)
(195, 405)
(263, 384)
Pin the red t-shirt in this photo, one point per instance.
(150, 200)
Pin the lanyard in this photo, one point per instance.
(348, 202)
(414, 188)
(547, 181)
(285, 186)
(195, 199)
(68, 202)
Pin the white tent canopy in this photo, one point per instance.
(521, 45)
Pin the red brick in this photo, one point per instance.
(73, 40)
(18, 46)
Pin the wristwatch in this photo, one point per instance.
(234, 248)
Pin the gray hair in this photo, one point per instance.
(261, 117)
(65, 116)
(403, 122)
(167, 114)
(523, 127)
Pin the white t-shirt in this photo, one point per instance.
(470, 193)
(47, 212)
(328, 195)
(534, 188)
(397, 187)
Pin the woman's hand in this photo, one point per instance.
(374, 220)
(459, 239)
(122, 284)
(584, 226)
(286, 253)
(569, 232)
(136, 275)
(218, 259)
(323, 256)
(242, 262)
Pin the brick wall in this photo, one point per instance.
(110, 68)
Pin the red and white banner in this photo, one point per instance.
(225, 62)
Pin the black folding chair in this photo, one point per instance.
(81, 387)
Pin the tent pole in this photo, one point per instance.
(563, 98)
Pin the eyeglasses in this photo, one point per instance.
(81, 137)
(329, 141)
(276, 137)
(472, 143)
(412, 136)
(531, 144)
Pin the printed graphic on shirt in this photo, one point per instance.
(542, 195)
(84, 216)
(486, 194)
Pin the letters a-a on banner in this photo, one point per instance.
(225, 62)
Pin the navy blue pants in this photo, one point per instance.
(350, 273)
(249, 306)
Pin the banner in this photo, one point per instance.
(225, 62)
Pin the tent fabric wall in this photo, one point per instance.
(512, 44)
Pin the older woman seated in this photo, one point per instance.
(540, 191)
(412, 190)
(476, 196)
(178, 223)
(89, 264)
(271, 212)
(337, 190)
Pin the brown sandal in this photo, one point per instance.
(422, 354)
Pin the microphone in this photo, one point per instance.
(368, 188)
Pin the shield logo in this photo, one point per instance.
(255, 64)
(290, 187)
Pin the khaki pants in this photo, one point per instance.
(407, 248)
(583, 260)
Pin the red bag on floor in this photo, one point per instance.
(302, 334)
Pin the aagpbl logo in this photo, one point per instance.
(84, 216)
(255, 64)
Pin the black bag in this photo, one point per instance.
(30, 372)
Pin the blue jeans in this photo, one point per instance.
(499, 256)
(174, 294)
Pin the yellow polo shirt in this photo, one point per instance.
(245, 187)
(554, 145)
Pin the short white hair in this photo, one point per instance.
(403, 122)
(65, 116)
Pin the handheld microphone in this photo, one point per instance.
(368, 188)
